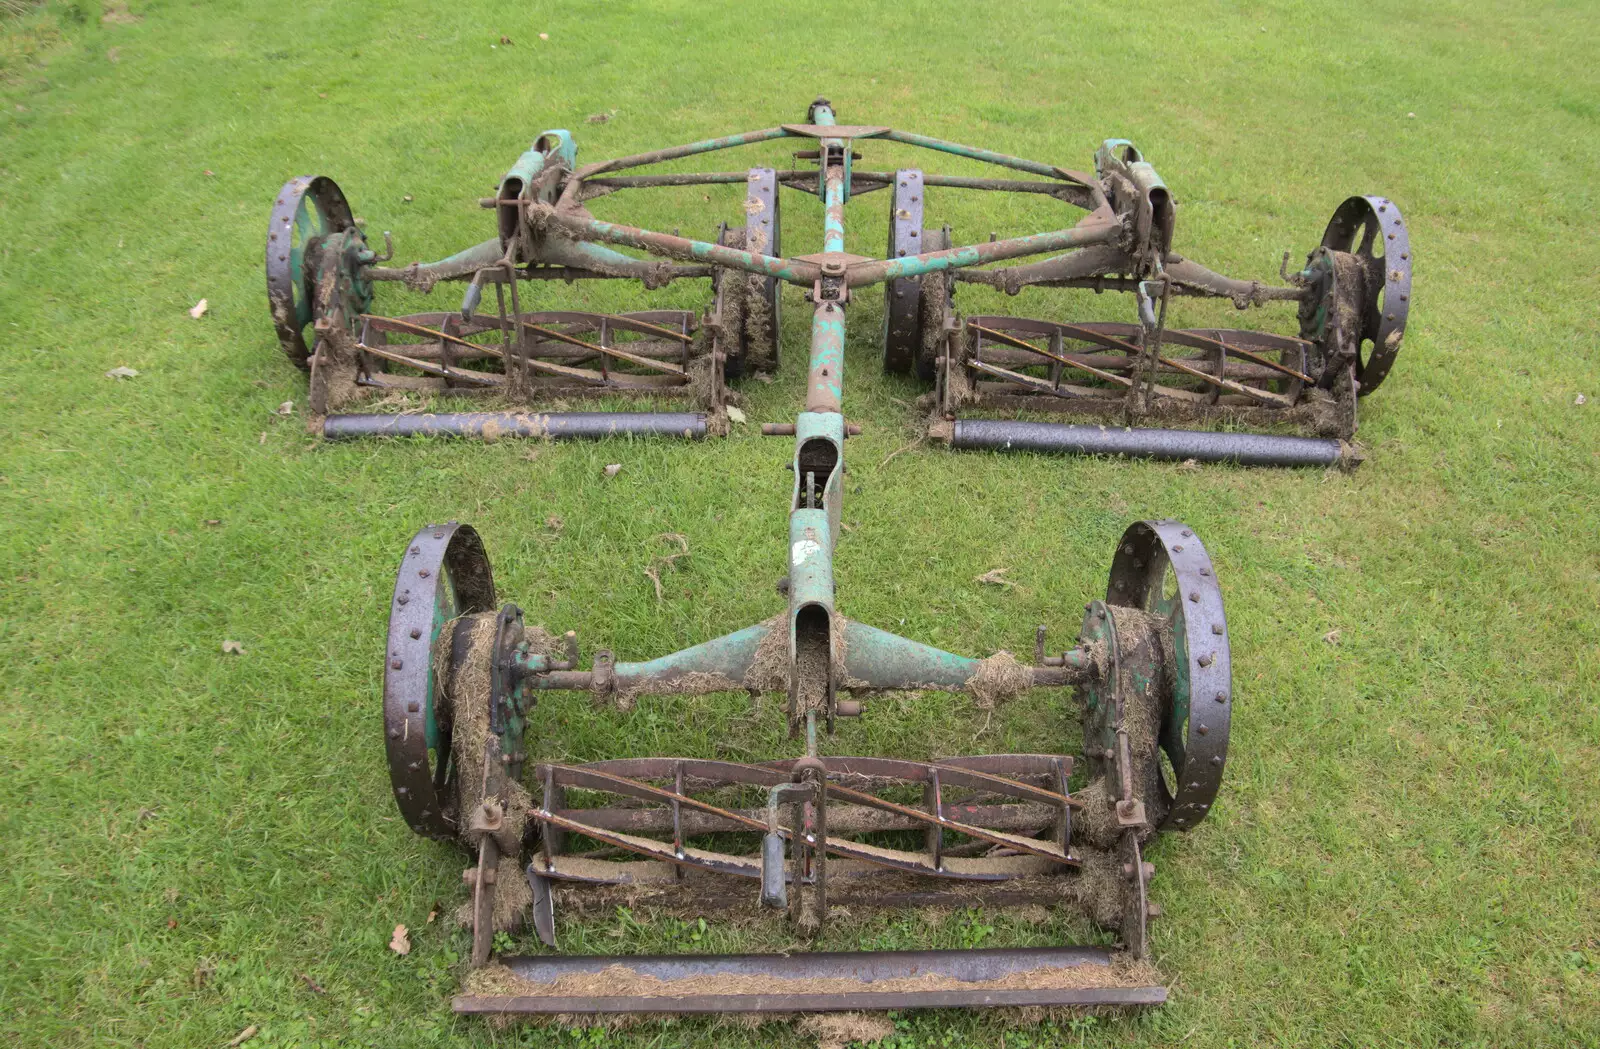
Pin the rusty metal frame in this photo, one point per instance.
(987, 823)
(1121, 243)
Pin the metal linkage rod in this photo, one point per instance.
(639, 160)
(805, 273)
(987, 156)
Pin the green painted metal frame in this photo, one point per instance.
(541, 191)
(862, 657)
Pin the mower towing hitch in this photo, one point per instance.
(1149, 668)
(1351, 297)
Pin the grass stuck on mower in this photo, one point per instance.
(1351, 300)
(819, 831)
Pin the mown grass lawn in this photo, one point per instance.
(192, 843)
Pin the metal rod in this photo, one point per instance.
(825, 383)
(555, 425)
(674, 152)
(1246, 449)
(973, 153)
(1089, 231)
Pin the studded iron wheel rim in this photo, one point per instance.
(307, 209)
(1194, 731)
(902, 298)
(762, 233)
(444, 575)
(1361, 226)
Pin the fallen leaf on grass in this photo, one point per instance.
(1332, 636)
(121, 372)
(1189, 464)
(406, 199)
(738, 416)
(198, 310)
(286, 408)
(232, 648)
(311, 985)
(554, 523)
(544, 36)
(114, 55)
(506, 40)
(433, 914)
(243, 1037)
(612, 469)
(764, 377)
(994, 577)
(213, 522)
(263, 438)
(1580, 399)
(400, 943)
(598, 118)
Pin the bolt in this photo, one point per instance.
(1222, 697)
(412, 706)
(1202, 730)
(415, 633)
(395, 664)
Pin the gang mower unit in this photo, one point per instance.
(1351, 299)
(818, 830)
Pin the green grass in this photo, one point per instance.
(1404, 852)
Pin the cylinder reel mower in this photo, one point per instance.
(804, 836)
(1132, 378)
(1151, 674)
